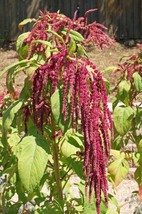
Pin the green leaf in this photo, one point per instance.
(9, 114)
(32, 160)
(71, 144)
(137, 81)
(72, 47)
(74, 35)
(55, 105)
(13, 140)
(123, 91)
(24, 22)
(68, 149)
(56, 101)
(22, 51)
(118, 170)
(123, 119)
(116, 153)
(48, 44)
(56, 34)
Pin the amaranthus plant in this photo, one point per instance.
(127, 118)
(58, 125)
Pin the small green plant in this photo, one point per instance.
(58, 125)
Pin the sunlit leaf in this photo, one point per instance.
(9, 114)
(32, 160)
(122, 117)
(22, 50)
(24, 22)
(48, 44)
(137, 81)
(56, 101)
(118, 170)
(123, 91)
(74, 35)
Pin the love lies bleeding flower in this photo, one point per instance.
(88, 101)
(83, 92)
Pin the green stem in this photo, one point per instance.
(56, 162)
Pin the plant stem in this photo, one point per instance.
(56, 162)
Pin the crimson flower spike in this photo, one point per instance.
(88, 102)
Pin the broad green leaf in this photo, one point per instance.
(24, 22)
(22, 51)
(13, 140)
(115, 153)
(56, 105)
(56, 101)
(72, 143)
(122, 117)
(137, 81)
(74, 35)
(56, 34)
(9, 114)
(123, 91)
(68, 149)
(32, 160)
(118, 170)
